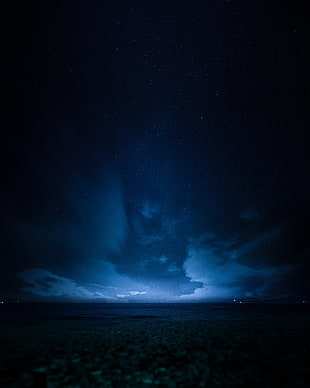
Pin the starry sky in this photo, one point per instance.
(156, 151)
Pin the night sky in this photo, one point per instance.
(156, 151)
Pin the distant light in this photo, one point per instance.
(235, 300)
(240, 301)
(1, 302)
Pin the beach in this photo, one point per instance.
(146, 351)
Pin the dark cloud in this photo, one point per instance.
(44, 283)
(222, 273)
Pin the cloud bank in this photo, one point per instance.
(217, 268)
(110, 286)
(45, 283)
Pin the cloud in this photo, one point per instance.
(108, 285)
(163, 259)
(173, 268)
(170, 224)
(147, 234)
(131, 295)
(149, 209)
(155, 259)
(221, 275)
(45, 283)
(265, 238)
(137, 292)
(151, 226)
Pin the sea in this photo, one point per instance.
(23, 312)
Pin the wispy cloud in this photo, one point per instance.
(149, 209)
(45, 283)
(173, 268)
(131, 294)
(152, 226)
(163, 259)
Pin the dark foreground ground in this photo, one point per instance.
(147, 352)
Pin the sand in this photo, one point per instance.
(145, 352)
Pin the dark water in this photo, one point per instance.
(154, 311)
